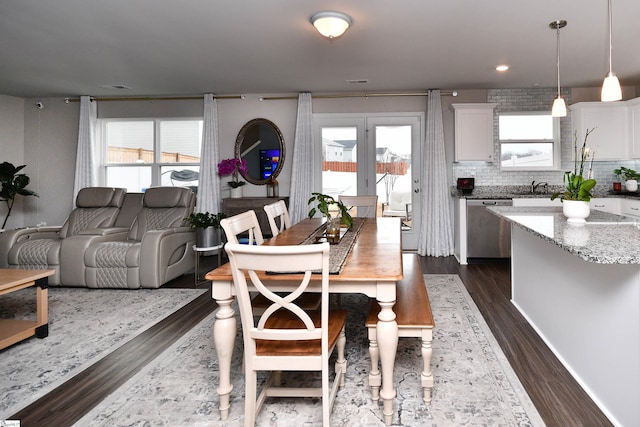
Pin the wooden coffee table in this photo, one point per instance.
(15, 330)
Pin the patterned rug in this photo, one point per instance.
(474, 384)
(84, 326)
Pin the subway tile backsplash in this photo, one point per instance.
(534, 99)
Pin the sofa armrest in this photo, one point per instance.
(103, 231)
(160, 249)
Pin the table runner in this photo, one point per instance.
(338, 253)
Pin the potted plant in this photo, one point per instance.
(324, 204)
(577, 192)
(235, 168)
(629, 176)
(207, 226)
(12, 184)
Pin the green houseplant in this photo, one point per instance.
(207, 226)
(576, 186)
(629, 176)
(329, 206)
(12, 184)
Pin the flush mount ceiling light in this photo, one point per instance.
(502, 68)
(611, 90)
(331, 24)
(559, 108)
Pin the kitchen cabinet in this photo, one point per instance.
(233, 206)
(630, 207)
(606, 204)
(473, 128)
(610, 139)
(634, 128)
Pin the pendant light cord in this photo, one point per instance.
(610, 43)
(558, 53)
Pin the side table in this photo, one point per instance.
(199, 280)
(15, 330)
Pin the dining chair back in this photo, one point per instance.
(245, 222)
(278, 217)
(286, 337)
(366, 206)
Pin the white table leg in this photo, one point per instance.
(427, 373)
(224, 336)
(387, 334)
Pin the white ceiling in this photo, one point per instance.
(187, 47)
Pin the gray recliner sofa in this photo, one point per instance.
(158, 247)
(96, 211)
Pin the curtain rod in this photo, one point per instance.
(268, 98)
(152, 98)
(360, 95)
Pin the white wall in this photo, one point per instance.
(12, 147)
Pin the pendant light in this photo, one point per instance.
(559, 108)
(611, 90)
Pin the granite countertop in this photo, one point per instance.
(605, 239)
(524, 192)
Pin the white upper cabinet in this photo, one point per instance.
(634, 129)
(610, 139)
(474, 131)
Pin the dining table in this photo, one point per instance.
(372, 266)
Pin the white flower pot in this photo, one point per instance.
(576, 211)
(236, 193)
(631, 185)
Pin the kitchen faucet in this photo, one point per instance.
(534, 186)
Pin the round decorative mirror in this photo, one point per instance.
(261, 144)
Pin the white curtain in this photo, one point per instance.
(86, 168)
(302, 174)
(435, 237)
(209, 184)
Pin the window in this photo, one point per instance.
(529, 141)
(139, 153)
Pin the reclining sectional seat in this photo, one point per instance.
(43, 247)
(158, 247)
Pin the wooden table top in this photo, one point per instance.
(10, 277)
(376, 254)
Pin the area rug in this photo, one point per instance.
(84, 326)
(474, 384)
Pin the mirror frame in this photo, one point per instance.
(240, 140)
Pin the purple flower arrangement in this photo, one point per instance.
(233, 167)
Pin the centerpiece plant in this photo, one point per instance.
(234, 167)
(576, 185)
(329, 206)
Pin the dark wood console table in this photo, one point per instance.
(235, 206)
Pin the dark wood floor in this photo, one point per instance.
(556, 395)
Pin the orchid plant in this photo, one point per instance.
(577, 187)
(235, 168)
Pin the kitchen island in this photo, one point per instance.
(579, 287)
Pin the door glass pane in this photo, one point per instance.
(180, 141)
(393, 171)
(339, 161)
(130, 142)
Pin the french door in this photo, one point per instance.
(374, 154)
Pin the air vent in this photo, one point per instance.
(358, 81)
(119, 87)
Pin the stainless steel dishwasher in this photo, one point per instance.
(488, 235)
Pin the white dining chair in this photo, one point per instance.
(366, 206)
(278, 217)
(247, 223)
(286, 337)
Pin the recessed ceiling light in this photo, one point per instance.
(502, 68)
